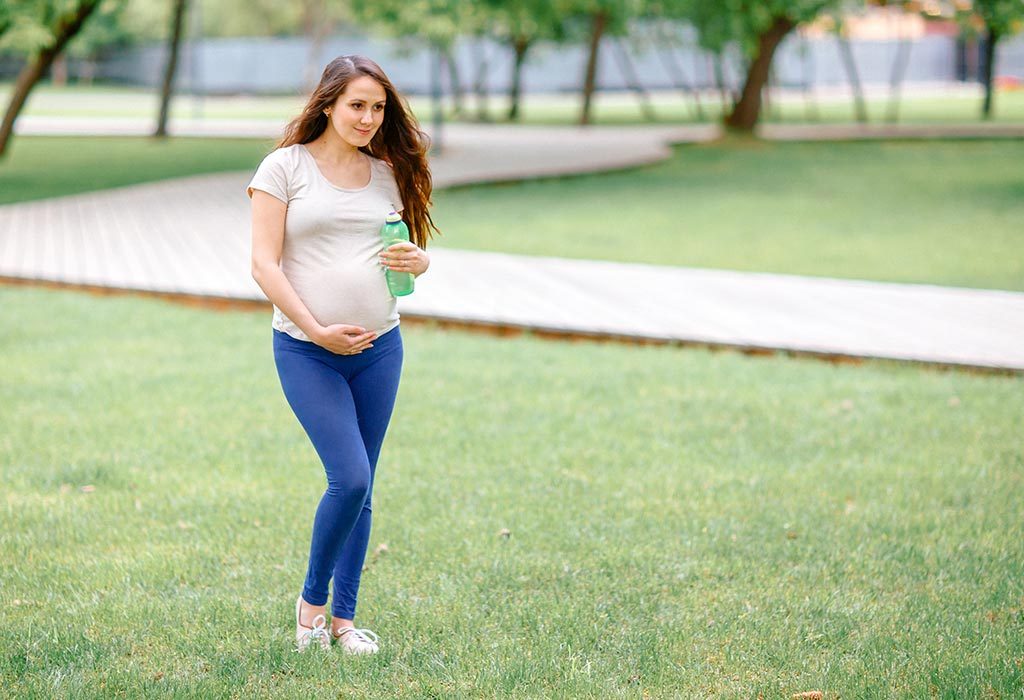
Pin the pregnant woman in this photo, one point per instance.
(319, 200)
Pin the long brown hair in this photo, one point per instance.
(399, 141)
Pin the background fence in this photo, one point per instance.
(266, 65)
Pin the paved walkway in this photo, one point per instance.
(190, 236)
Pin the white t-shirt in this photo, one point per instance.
(332, 240)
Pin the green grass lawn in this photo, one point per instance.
(37, 167)
(938, 212)
(683, 523)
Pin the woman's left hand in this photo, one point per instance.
(405, 257)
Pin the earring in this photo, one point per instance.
(327, 112)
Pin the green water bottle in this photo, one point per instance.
(395, 231)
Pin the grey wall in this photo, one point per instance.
(262, 65)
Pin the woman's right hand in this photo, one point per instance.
(342, 339)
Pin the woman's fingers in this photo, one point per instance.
(349, 340)
(361, 342)
(400, 256)
(350, 330)
(361, 345)
(401, 264)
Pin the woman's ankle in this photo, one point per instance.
(308, 612)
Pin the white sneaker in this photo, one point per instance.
(304, 636)
(356, 641)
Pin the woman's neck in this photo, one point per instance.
(330, 147)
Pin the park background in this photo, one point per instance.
(555, 516)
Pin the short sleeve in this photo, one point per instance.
(272, 176)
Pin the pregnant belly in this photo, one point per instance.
(353, 294)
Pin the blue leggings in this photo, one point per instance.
(344, 403)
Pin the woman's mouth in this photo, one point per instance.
(364, 132)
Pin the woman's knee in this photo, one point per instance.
(350, 484)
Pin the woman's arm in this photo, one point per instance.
(268, 217)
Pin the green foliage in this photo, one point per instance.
(441, 22)
(32, 23)
(437, 22)
(529, 20)
(721, 22)
(229, 18)
(1001, 17)
(29, 24)
(121, 22)
(618, 15)
(103, 30)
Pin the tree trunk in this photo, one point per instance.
(718, 75)
(768, 106)
(59, 71)
(173, 44)
(846, 52)
(436, 96)
(317, 28)
(87, 73)
(454, 81)
(899, 72)
(480, 83)
(66, 27)
(633, 81)
(810, 105)
(989, 70)
(666, 52)
(520, 45)
(590, 77)
(746, 112)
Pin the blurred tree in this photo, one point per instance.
(436, 23)
(40, 30)
(593, 20)
(902, 59)
(520, 24)
(102, 32)
(6, 19)
(840, 29)
(665, 36)
(148, 20)
(319, 20)
(171, 67)
(758, 27)
(244, 18)
(995, 19)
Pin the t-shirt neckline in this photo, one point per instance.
(327, 180)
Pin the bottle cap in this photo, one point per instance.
(393, 218)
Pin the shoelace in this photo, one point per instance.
(362, 636)
(318, 632)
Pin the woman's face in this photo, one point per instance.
(359, 111)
